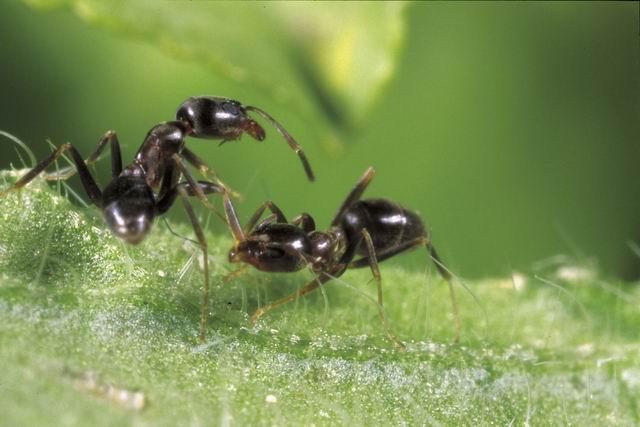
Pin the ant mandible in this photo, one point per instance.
(374, 229)
(149, 186)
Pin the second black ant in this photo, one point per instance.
(374, 229)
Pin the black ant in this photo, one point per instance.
(375, 229)
(129, 203)
(149, 186)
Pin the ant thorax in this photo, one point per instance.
(155, 154)
(327, 247)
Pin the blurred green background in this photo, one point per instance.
(513, 128)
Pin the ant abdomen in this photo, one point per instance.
(388, 223)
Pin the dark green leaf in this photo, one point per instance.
(329, 60)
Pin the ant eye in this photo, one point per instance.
(230, 107)
(273, 252)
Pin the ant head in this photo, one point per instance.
(274, 248)
(213, 117)
(129, 209)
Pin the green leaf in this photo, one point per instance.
(94, 332)
(329, 60)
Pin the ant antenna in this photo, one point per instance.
(290, 140)
(180, 236)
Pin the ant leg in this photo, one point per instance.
(232, 219)
(205, 170)
(116, 159)
(197, 190)
(446, 275)
(304, 221)
(167, 200)
(355, 194)
(236, 273)
(184, 195)
(234, 223)
(196, 161)
(373, 263)
(311, 286)
(168, 183)
(258, 213)
(420, 241)
(292, 142)
(89, 184)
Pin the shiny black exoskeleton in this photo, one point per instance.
(390, 226)
(373, 229)
(211, 117)
(149, 186)
(142, 190)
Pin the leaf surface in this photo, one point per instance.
(96, 332)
